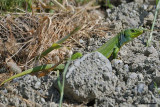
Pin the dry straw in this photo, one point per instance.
(45, 29)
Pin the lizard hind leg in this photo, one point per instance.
(115, 52)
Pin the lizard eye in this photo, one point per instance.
(132, 30)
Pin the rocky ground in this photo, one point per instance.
(131, 80)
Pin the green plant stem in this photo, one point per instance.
(35, 69)
(63, 81)
(32, 70)
(155, 17)
(57, 44)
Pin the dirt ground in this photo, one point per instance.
(132, 80)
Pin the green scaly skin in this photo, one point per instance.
(113, 46)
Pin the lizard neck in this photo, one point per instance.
(122, 39)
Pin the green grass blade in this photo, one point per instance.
(57, 44)
(63, 82)
(69, 35)
(61, 85)
(32, 70)
(155, 17)
(76, 55)
(54, 46)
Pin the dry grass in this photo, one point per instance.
(24, 36)
(41, 31)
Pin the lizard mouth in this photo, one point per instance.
(137, 33)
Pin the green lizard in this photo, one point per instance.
(110, 47)
(113, 46)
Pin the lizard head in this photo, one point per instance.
(132, 33)
(129, 35)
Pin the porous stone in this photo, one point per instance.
(139, 1)
(14, 67)
(37, 84)
(2, 105)
(89, 77)
(151, 52)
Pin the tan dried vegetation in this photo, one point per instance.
(25, 36)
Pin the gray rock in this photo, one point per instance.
(53, 104)
(126, 105)
(144, 99)
(126, 68)
(157, 78)
(89, 77)
(14, 67)
(116, 63)
(151, 2)
(151, 52)
(139, 1)
(140, 77)
(131, 22)
(81, 41)
(35, 78)
(116, 25)
(37, 85)
(118, 89)
(91, 41)
(133, 76)
(105, 101)
(108, 12)
(129, 100)
(140, 88)
(38, 105)
(144, 6)
(132, 79)
(2, 105)
(149, 18)
(43, 100)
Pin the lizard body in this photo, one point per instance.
(113, 46)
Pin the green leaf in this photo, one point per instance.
(54, 46)
(76, 56)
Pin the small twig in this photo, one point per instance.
(59, 4)
(29, 13)
(20, 9)
(17, 51)
(78, 42)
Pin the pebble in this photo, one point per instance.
(157, 78)
(126, 68)
(81, 41)
(53, 104)
(151, 51)
(140, 77)
(37, 85)
(14, 67)
(133, 76)
(116, 63)
(2, 105)
(91, 41)
(140, 88)
(144, 6)
(43, 100)
(139, 1)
